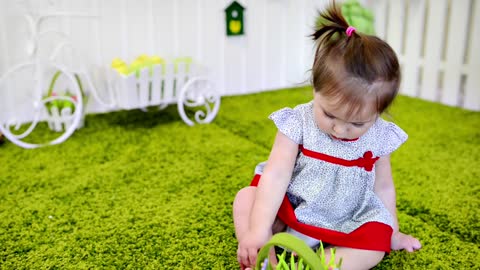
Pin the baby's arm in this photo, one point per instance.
(385, 190)
(269, 195)
(273, 185)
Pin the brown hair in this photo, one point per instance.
(353, 69)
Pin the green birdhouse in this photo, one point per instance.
(234, 19)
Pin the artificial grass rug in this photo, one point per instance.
(145, 191)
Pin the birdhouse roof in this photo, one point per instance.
(234, 6)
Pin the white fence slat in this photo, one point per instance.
(457, 35)
(275, 44)
(307, 51)
(168, 88)
(256, 51)
(55, 123)
(144, 87)
(6, 99)
(188, 28)
(164, 24)
(212, 55)
(295, 24)
(234, 64)
(66, 118)
(434, 34)
(472, 85)
(179, 78)
(413, 47)
(157, 75)
(136, 26)
(131, 92)
(380, 9)
(110, 26)
(3, 42)
(214, 45)
(73, 25)
(396, 18)
(150, 30)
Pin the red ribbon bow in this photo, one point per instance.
(367, 161)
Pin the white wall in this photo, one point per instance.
(275, 51)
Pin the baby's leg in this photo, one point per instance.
(356, 259)
(242, 206)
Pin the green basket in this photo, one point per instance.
(305, 258)
(60, 104)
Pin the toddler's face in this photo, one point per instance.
(334, 120)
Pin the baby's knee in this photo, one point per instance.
(376, 258)
(371, 259)
(246, 194)
(358, 259)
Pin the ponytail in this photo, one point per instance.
(331, 22)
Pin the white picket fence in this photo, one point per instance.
(156, 86)
(186, 85)
(437, 40)
(438, 44)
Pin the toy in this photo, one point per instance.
(63, 103)
(187, 61)
(141, 62)
(305, 258)
(152, 82)
(120, 66)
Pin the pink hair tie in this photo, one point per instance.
(350, 31)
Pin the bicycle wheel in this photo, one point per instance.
(34, 95)
(200, 96)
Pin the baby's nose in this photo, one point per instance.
(339, 129)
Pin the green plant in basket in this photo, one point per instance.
(356, 15)
(299, 255)
(61, 104)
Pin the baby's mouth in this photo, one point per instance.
(342, 139)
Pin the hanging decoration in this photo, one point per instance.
(234, 19)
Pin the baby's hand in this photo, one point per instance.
(404, 241)
(248, 247)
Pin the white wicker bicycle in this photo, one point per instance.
(41, 90)
(45, 90)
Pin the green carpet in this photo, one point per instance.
(135, 190)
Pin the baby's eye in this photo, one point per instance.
(358, 124)
(329, 115)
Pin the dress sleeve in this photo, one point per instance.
(289, 122)
(392, 138)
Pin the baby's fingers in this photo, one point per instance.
(252, 256)
(242, 258)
